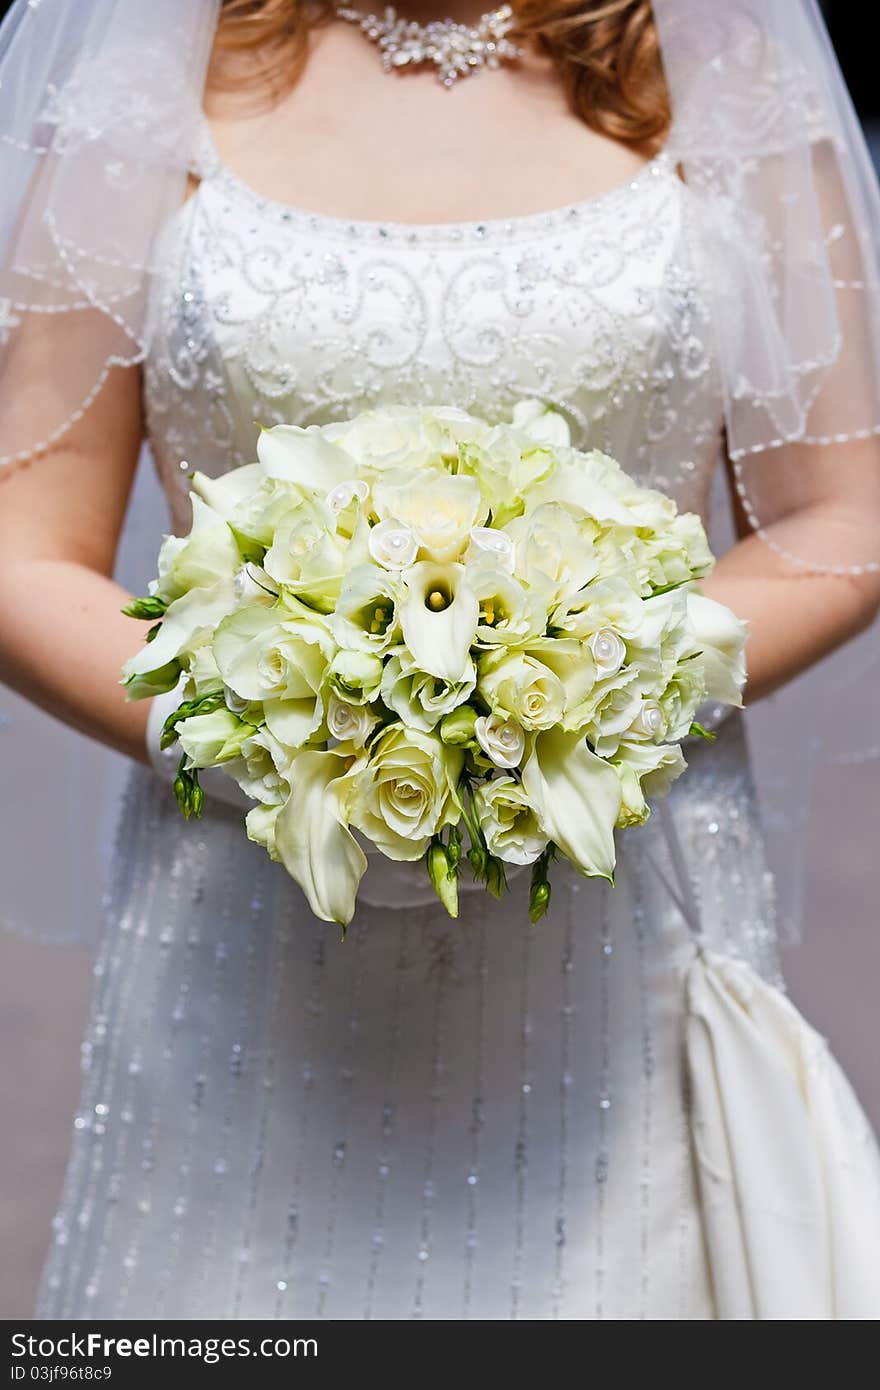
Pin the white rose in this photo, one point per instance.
(349, 723)
(502, 740)
(404, 793)
(508, 821)
(393, 545)
(390, 438)
(438, 507)
(518, 685)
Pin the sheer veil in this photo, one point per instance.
(99, 118)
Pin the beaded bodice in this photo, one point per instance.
(268, 314)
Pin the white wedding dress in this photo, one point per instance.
(614, 1114)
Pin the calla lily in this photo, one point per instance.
(312, 842)
(576, 797)
(721, 638)
(304, 457)
(439, 614)
(184, 619)
(231, 491)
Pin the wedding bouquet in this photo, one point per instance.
(439, 638)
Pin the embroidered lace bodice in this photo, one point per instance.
(270, 314)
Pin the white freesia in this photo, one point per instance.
(644, 769)
(576, 797)
(508, 821)
(210, 739)
(351, 722)
(438, 614)
(502, 740)
(421, 700)
(438, 508)
(509, 614)
(355, 677)
(720, 638)
(366, 617)
(393, 545)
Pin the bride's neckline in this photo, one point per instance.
(216, 173)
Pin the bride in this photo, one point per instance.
(221, 216)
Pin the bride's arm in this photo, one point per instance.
(796, 615)
(63, 638)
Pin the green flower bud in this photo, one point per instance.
(443, 876)
(145, 608)
(539, 899)
(495, 880)
(457, 727)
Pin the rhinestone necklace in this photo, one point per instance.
(455, 50)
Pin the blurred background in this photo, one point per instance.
(44, 990)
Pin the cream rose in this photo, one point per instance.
(508, 821)
(521, 686)
(404, 793)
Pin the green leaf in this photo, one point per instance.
(699, 732)
(145, 608)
